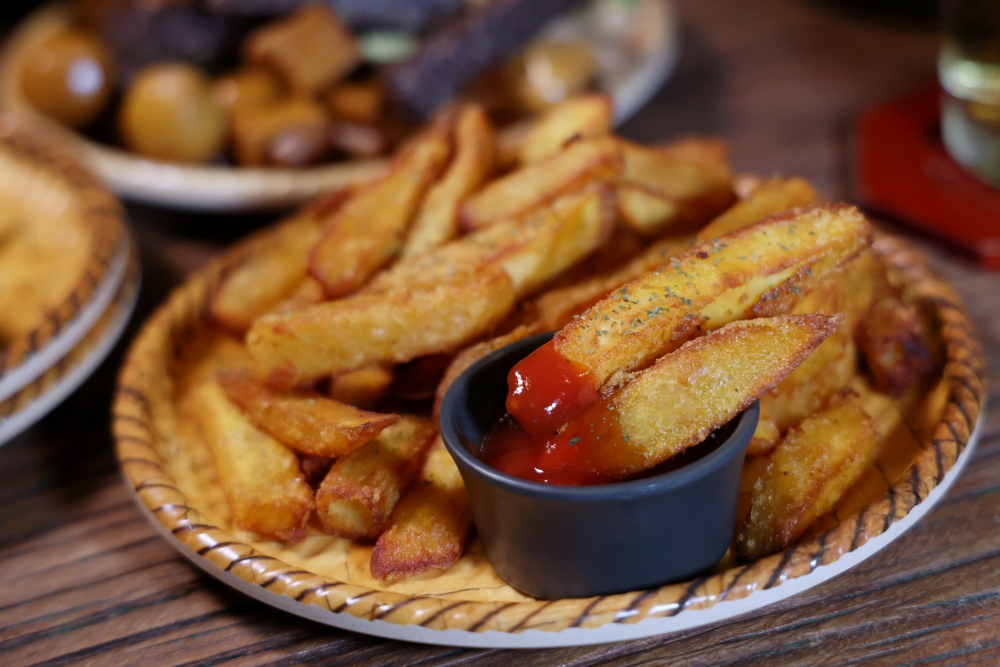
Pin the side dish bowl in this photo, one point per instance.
(554, 541)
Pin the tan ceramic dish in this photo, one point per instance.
(927, 437)
(231, 189)
(43, 188)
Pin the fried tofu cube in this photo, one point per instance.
(259, 132)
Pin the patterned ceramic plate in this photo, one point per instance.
(631, 75)
(926, 437)
(55, 383)
(64, 248)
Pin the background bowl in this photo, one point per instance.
(553, 541)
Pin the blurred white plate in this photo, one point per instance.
(633, 68)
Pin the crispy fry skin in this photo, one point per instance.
(532, 251)
(580, 117)
(304, 420)
(308, 293)
(557, 307)
(436, 222)
(807, 474)
(661, 188)
(267, 274)
(894, 342)
(687, 394)
(369, 229)
(266, 489)
(361, 489)
(430, 527)
(774, 196)
(471, 355)
(708, 286)
(389, 327)
(531, 187)
(362, 388)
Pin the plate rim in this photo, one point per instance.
(222, 189)
(30, 354)
(390, 614)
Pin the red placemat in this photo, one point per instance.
(903, 170)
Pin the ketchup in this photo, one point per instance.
(546, 390)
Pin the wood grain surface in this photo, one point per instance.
(85, 580)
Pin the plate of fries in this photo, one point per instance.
(276, 417)
(67, 272)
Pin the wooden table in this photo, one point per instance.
(84, 579)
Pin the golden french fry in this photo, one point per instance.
(580, 117)
(388, 327)
(556, 308)
(437, 219)
(362, 488)
(507, 144)
(302, 419)
(776, 195)
(807, 474)
(687, 394)
(369, 229)
(308, 293)
(696, 149)
(267, 491)
(532, 251)
(267, 274)
(533, 186)
(664, 188)
(471, 355)
(708, 286)
(362, 388)
(430, 526)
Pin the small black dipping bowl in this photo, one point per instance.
(553, 541)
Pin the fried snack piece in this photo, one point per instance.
(580, 117)
(772, 197)
(894, 341)
(437, 220)
(266, 490)
(369, 229)
(708, 286)
(308, 293)
(687, 394)
(264, 134)
(357, 102)
(302, 419)
(535, 185)
(557, 308)
(531, 251)
(267, 274)
(807, 474)
(430, 527)
(474, 353)
(310, 50)
(362, 488)
(664, 188)
(507, 143)
(388, 327)
(362, 388)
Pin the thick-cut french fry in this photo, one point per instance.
(807, 474)
(687, 394)
(308, 293)
(894, 341)
(471, 355)
(708, 286)
(775, 196)
(269, 272)
(267, 491)
(437, 219)
(362, 488)
(388, 327)
(533, 186)
(580, 117)
(430, 527)
(362, 388)
(532, 251)
(302, 419)
(369, 229)
(556, 308)
(697, 149)
(688, 190)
